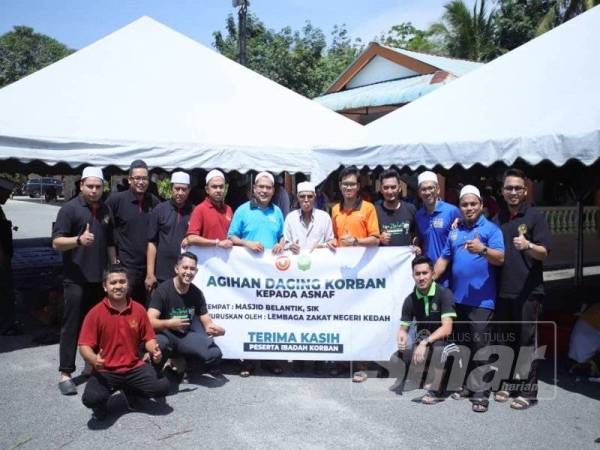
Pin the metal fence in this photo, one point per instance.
(563, 219)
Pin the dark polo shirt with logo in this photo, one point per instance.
(428, 310)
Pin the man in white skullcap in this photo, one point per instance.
(83, 233)
(210, 219)
(475, 248)
(167, 228)
(434, 219)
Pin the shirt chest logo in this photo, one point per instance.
(133, 324)
(453, 235)
(522, 228)
(434, 307)
(438, 223)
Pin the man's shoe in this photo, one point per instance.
(67, 387)
(134, 402)
(99, 413)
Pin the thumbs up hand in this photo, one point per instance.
(295, 247)
(474, 245)
(87, 237)
(99, 363)
(520, 242)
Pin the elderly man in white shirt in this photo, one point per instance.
(308, 228)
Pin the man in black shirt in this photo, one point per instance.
(397, 224)
(166, 232)
(83, 233)
(527, 244)
(178, 314)
(131, 211)
(7, 295)
(432, 306)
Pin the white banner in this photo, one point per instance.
(343, 305)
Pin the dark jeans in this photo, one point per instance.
(195, 344)
(522, 338)
(78, 299)
(141, 381)
(474, 333)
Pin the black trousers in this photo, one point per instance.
(137, 286)
(7, 298)
(78, 299)
(194, 344)
(475, 333)
(522, 338)
(141, 381)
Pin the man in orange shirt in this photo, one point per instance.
(354, 220)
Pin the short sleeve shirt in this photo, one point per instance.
(400, 223)
(118, 334)
(473, 277)
(131, 227)
(522, 275)
(84, 264)
(250, 222)
(172, 304)
(360, 221)
(210, 221)
(428, 310)
(167, 227)
(317, 231)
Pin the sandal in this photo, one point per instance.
(480, 406)
(461, 395)
(359, 377)
(522, 403)
(245, 372)
(501, 396)
(431, 398)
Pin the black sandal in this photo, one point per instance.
(431, 398)
(480, 406)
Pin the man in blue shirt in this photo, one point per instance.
(475, 247)
(258, 225)
(434, 219)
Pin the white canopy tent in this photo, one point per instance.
(146, 91)
(539, 102)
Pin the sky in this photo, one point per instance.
(78, 23)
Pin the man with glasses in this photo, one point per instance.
(434, 219)
(178, 314)
(521, 292)
(258, 226)
(131, 211)
(166, 232)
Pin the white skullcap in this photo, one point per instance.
(180, 178)
(214, 174)
(469, 189)
(265, 175)
(427, 176)
(305, 186)
(6, 184)
(92, 172)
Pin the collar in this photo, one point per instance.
(301, 216)
(210, 204)
(480, 222)
(254, 204)
(430, 293)
(187, 205)
(110, 308)
(82, 202)
(355, 207)
(133, 198)
(523, 207)
(390, 210)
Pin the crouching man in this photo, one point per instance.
(178, 313)
(432, 306)
(110, 340)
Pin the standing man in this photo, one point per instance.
(521, 293)
(131, 211)
(178, 313)
(396, 219)
(434, 219)
(166, 232)
(83, 233)
(111, 336)
(308, 228)
(354, 223)
(258, 225)
(8, 327)
(210, 220)
(474, 248)
(354, 220)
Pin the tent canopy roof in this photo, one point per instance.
(148, 91)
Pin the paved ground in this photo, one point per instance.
(281, 412)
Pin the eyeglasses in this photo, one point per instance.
(306, 197)
(349, 185)
(514, 188)
(138, 179)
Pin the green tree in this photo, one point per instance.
(467, 35)
(517, 20)
(23, 51)
(561, 11)
(408, 37)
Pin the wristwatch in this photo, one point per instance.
(484, 251)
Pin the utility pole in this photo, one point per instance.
(242, 11)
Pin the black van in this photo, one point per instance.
(37, 187)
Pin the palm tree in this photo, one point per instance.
(467, 35)
(561, 11)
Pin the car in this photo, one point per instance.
(36, 187)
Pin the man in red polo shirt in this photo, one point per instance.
(210, 220)
(110, 339)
